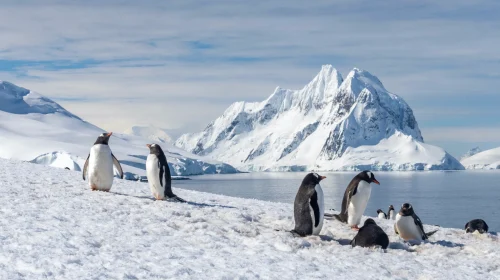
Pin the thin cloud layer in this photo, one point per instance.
(194, 58)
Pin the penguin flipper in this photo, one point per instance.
(352, 189)
(396, 230)
(85, 166)
(419, 224)
(431, 233)
(314, 205)
(116, 163)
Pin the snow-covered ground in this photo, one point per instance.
(489, 159)
(37, 129)
(52, 226)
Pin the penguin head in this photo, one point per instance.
(379, 211)
(103, 138)
(312, 179)
(368, 177)
(391, 207)
(155, 149)
(369, 222)
(406, 210)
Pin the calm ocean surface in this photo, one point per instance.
(448, 199)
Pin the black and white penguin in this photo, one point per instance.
(381, 214)
(390, 213)
(158, 173)
(370, 235)
(409, 226)
(99, 165)
(356, 198)
(309, 206)
(476, 224)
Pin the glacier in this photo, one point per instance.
(489, 159)
(35, 128)
(331, 124)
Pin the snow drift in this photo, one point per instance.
(489, 159)
(330, 124)
(53, 226)
(37, 129)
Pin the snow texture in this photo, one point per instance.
(330, 124)
(489, 159)
(35, 128)
(53, 227)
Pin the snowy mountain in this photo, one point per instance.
(470, 153)
(489, 159)
(152, 133)
(37, 129)
(330, 124)
(54, 227)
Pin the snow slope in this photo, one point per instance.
(489, 159)
(330, 124)
(470, 153)
(35, 128)
(52, 226)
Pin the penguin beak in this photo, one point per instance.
(322, 177)
(376, 182)
(109, 134)
(148, 145)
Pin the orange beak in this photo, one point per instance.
(322, 177)
(148, 145)
(109, 134)
(376, 182)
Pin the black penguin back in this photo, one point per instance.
(371, 235)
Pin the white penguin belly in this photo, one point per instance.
(153, 174)
(321, 205)
(391, 215)
(100, 168)
(381, 215)
(407, 229)
(358, 203)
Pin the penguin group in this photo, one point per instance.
(309, 213)
(309, 207)
(98, 169)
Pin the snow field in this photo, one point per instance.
(52, 226)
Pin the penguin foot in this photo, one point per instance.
(355, 228)
(93, 187)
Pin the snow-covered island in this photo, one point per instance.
(330, 124)
(53, 226)
(37, 129)
(489, 159)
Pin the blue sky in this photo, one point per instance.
(179, 64)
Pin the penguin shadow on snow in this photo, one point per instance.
(201, 205)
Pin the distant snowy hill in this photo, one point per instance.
(489, 159)
(37, 129)
(153, 133)
(52, 226)
(330, 124)
(470, 153)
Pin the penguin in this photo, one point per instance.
(409, 226)
(158, 173)
(309, 206)
(370, 235)
(356, 198)
(390, 213)
(476, 224)
(381, 214)
(99, 165)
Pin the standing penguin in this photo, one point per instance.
(356, 198)
(309, 206)
(409, 226)
(381, 214)
(390, 213)
(99, 165)
(158, 173)
(370, 235)
(476, 224)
